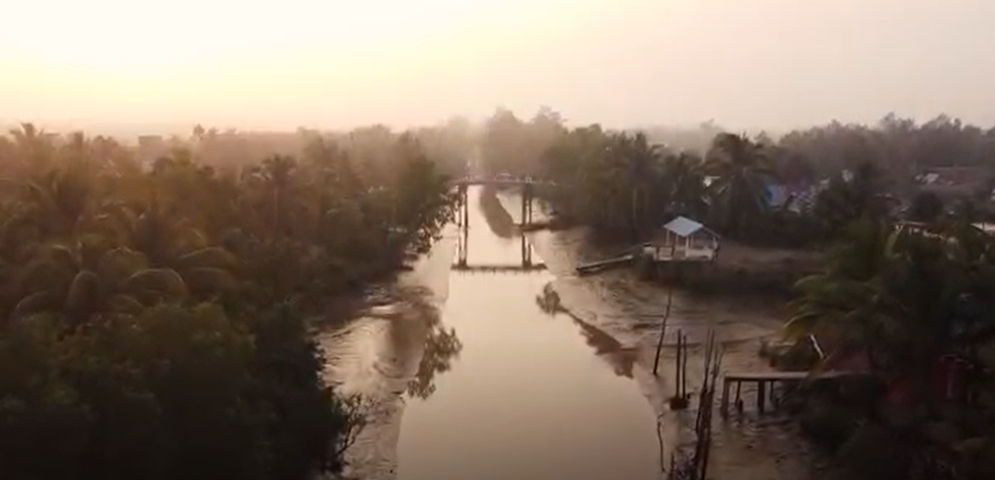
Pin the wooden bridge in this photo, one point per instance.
(500, 181)
(527, 184)
(499, 268)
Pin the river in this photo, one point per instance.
(530, 372)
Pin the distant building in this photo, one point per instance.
(952, 183)
(684, 239)
(797, 198)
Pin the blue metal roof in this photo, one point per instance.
(683, 227)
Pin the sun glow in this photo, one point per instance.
(333, 63)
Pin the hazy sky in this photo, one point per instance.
(280, 64)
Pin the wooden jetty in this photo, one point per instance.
(766, 380)
(599, 265)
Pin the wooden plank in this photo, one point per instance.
(601, 264)
(774, 376)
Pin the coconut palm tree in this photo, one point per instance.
(62, 279)
(278, 171)
(850, 196)
(899, 295)
(685, 185)
(33, 150)
(741, 166)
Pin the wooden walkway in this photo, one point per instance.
(656, 255)
(499, 268)
(762, 379)
(597, 266)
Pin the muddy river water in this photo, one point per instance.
(512, 367)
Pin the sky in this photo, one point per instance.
(250, 64)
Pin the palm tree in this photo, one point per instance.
(851, 196)
(632, 172)
(686, 192)
(741, 166)
(62, 279)
(839, 304)
(642, 174)
(899, 295)
(32, 147)
(275, 178)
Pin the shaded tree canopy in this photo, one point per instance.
(155, 315)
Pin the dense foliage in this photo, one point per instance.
(904, 295)
(629, 183)
(155, 317)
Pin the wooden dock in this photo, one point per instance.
(769, 379)
(597, 266)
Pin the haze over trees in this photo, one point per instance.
(631, 182)
(156, 319)
(157, 311)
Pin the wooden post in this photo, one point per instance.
(466, 208)
(761, 395)
(684, 367)
(525, 199)
(663, 330)
(725, 397)
(739, 401)
(677, 368)
(528, 188)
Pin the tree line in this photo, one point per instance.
(156, 318)
(631, 182)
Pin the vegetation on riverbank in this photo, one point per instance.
(915, 308)
(912, 303)
(156, 317)
(799, 191)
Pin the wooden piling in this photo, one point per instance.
(684, 368)
(677, 368)
(725, 396)
(761, 395)
(663, 330)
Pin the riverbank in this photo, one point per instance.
(747, 446)
(479, 375)
(627, 310)
(740, 269)
(749, 269)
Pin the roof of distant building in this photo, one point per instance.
(684, 227)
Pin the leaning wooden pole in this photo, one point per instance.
(663, 330)
(684, 367)
(677, 366)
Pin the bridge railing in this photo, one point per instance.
(499, 180)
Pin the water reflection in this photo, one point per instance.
(497, 218)
(518, 393)
(605, 346)
(394, 349)
(441, 348)
(535, 393)
(500, 222)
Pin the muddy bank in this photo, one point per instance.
(746, 446)
(391, 349)
(628, 310)
(542, 374)
(740, 268)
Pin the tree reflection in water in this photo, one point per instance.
(441, 348)
(497, 218)
(621, 358)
